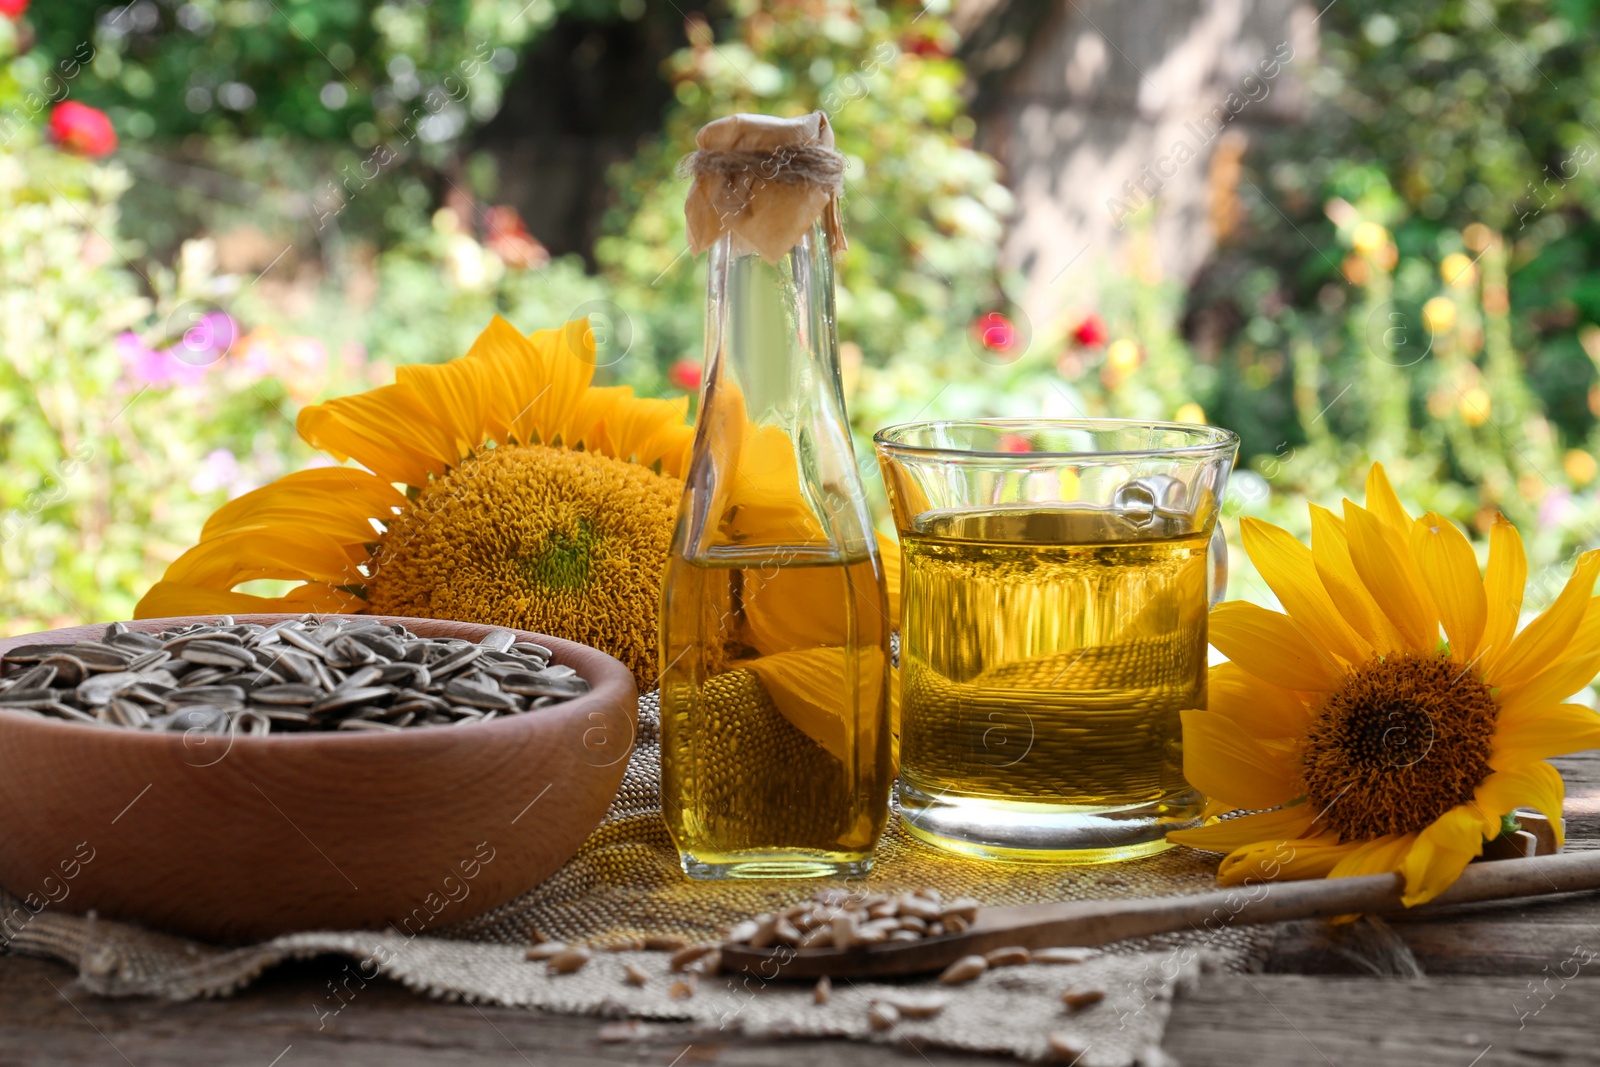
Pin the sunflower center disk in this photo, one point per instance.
(1405, 740)
(544, 539)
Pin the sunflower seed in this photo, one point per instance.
(288, 693)
(27, 698)
(206, 694)
(498, 640)
(475, 696)
(37, 677)
(341, 699)
(99, 688)
(69, 668)
(454, 661)
(304, 642)
(154, 658)
(134, 642)
(297, 675)
(30, 654)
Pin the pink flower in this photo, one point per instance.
(147, 366)
(995, 332)
(82, 129)
(1091, 332)
(685, 373)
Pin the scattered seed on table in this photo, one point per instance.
(1009, 956)
(634, 976)
(546, 949)
(1067, 1048)
(823, 992)
(964, 970)
(913, 1006)
(1062, 955)
(688, 954)
(1078, 999)
(881, 1016)
(569, 962)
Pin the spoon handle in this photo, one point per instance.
(1100, 922)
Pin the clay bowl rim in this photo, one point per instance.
(611, 681)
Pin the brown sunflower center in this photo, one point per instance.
(545, 539)
(1405, 740)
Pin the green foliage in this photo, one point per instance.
(923, 211)
(317, 69)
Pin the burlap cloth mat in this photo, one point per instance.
(625, 882)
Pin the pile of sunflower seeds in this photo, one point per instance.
(296, 676)
(836, 918)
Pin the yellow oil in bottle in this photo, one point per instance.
(774, 734)
(1046, 654)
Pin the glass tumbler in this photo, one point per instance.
(1056, 577)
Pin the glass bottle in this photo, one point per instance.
(774, 626)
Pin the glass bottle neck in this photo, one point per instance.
(773, 462)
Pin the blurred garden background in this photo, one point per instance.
(1353, 232)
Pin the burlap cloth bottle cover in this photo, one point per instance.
(625, 883)
(766, 181)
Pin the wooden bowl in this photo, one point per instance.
(242, 838)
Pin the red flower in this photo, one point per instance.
(13, 9)
(685, 373)
(82, 129)
(1092, 332)
(1011, 442)
(995, 332)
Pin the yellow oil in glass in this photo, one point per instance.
(1046, 654)
(774, 729)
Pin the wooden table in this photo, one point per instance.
(1503, 985)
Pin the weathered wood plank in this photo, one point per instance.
(384, 1026)
(1270, 1019)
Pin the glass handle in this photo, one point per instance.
(1217, 574)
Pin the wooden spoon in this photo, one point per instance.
(1098, 922)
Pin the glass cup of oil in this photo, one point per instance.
(1056, 577)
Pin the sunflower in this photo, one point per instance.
(1391, 718)
(501, 487)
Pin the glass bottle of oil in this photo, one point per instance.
(774, 626)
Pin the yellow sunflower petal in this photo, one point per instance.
(386, 430)
(1533, 785)
(1330, 550)
(338, 500)
(1236, 833)
(1382, 501)
(1449, 571)
(813, 688)
(1539, 735)
(1270, 646)
(1301, 857)
(1383, 560)
(1440, 853)
(889, 552)
(517, 377)
(1378, 856)
(287, 553)
(568, 354)
(1289, 570)
(168, 599)
(1503, 583)
(645, 431)
(1222, 762)
(1261, 709)
(455, 395)
(1546, 637)
(1546, 689)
